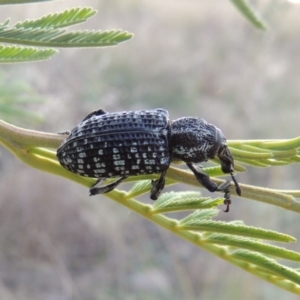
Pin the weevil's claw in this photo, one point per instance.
(227, 202)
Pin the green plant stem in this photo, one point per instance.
(24, 143)
(269, 196)
(13, 137)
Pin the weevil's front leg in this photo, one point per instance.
(158, 185)
(224, 187)
(205, 180)
(95, 189)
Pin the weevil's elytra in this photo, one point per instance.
(106, 145)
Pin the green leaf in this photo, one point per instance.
(141, 187)
(262, 153)
(251, 154)
(13, 54)
(269, 265)
(200, 215)
(250, 13)
(195, 222)
(172, 202)
(59, 20)
(250, 244)
(47, 32)
(58, 38)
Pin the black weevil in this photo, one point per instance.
(106, 145)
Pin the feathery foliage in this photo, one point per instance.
(47, 32)
(10, 54)
(59, 20)
(16, 99)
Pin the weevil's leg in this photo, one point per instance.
(94, 113)
(203, 178)
(66, 132)
(211, 186)
(95, 189)
(158, 185)
(224, 187)
(98, 112)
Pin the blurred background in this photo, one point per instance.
(194, 58)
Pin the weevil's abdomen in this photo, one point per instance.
(194, 140)
(106, 145)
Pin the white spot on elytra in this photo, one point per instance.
(101, 171)
(150, 161)
(100, 165)
(82, 154)
(119, 163)
(164, 160)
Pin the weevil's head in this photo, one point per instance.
(227, 165)
(225, 156)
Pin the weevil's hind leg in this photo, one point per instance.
(98, 112)
(158, 185)
(203, 178)
(66, 132)
(95, 189)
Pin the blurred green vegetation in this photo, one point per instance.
(18, 100)
(192, 58)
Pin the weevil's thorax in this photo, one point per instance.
(194, 140)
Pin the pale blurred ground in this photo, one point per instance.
(191, 57)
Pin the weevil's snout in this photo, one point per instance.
(225, 156)
(227, 166)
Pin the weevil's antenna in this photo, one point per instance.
(227, 200)
(237, 187)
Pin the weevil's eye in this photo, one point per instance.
(227, 163)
